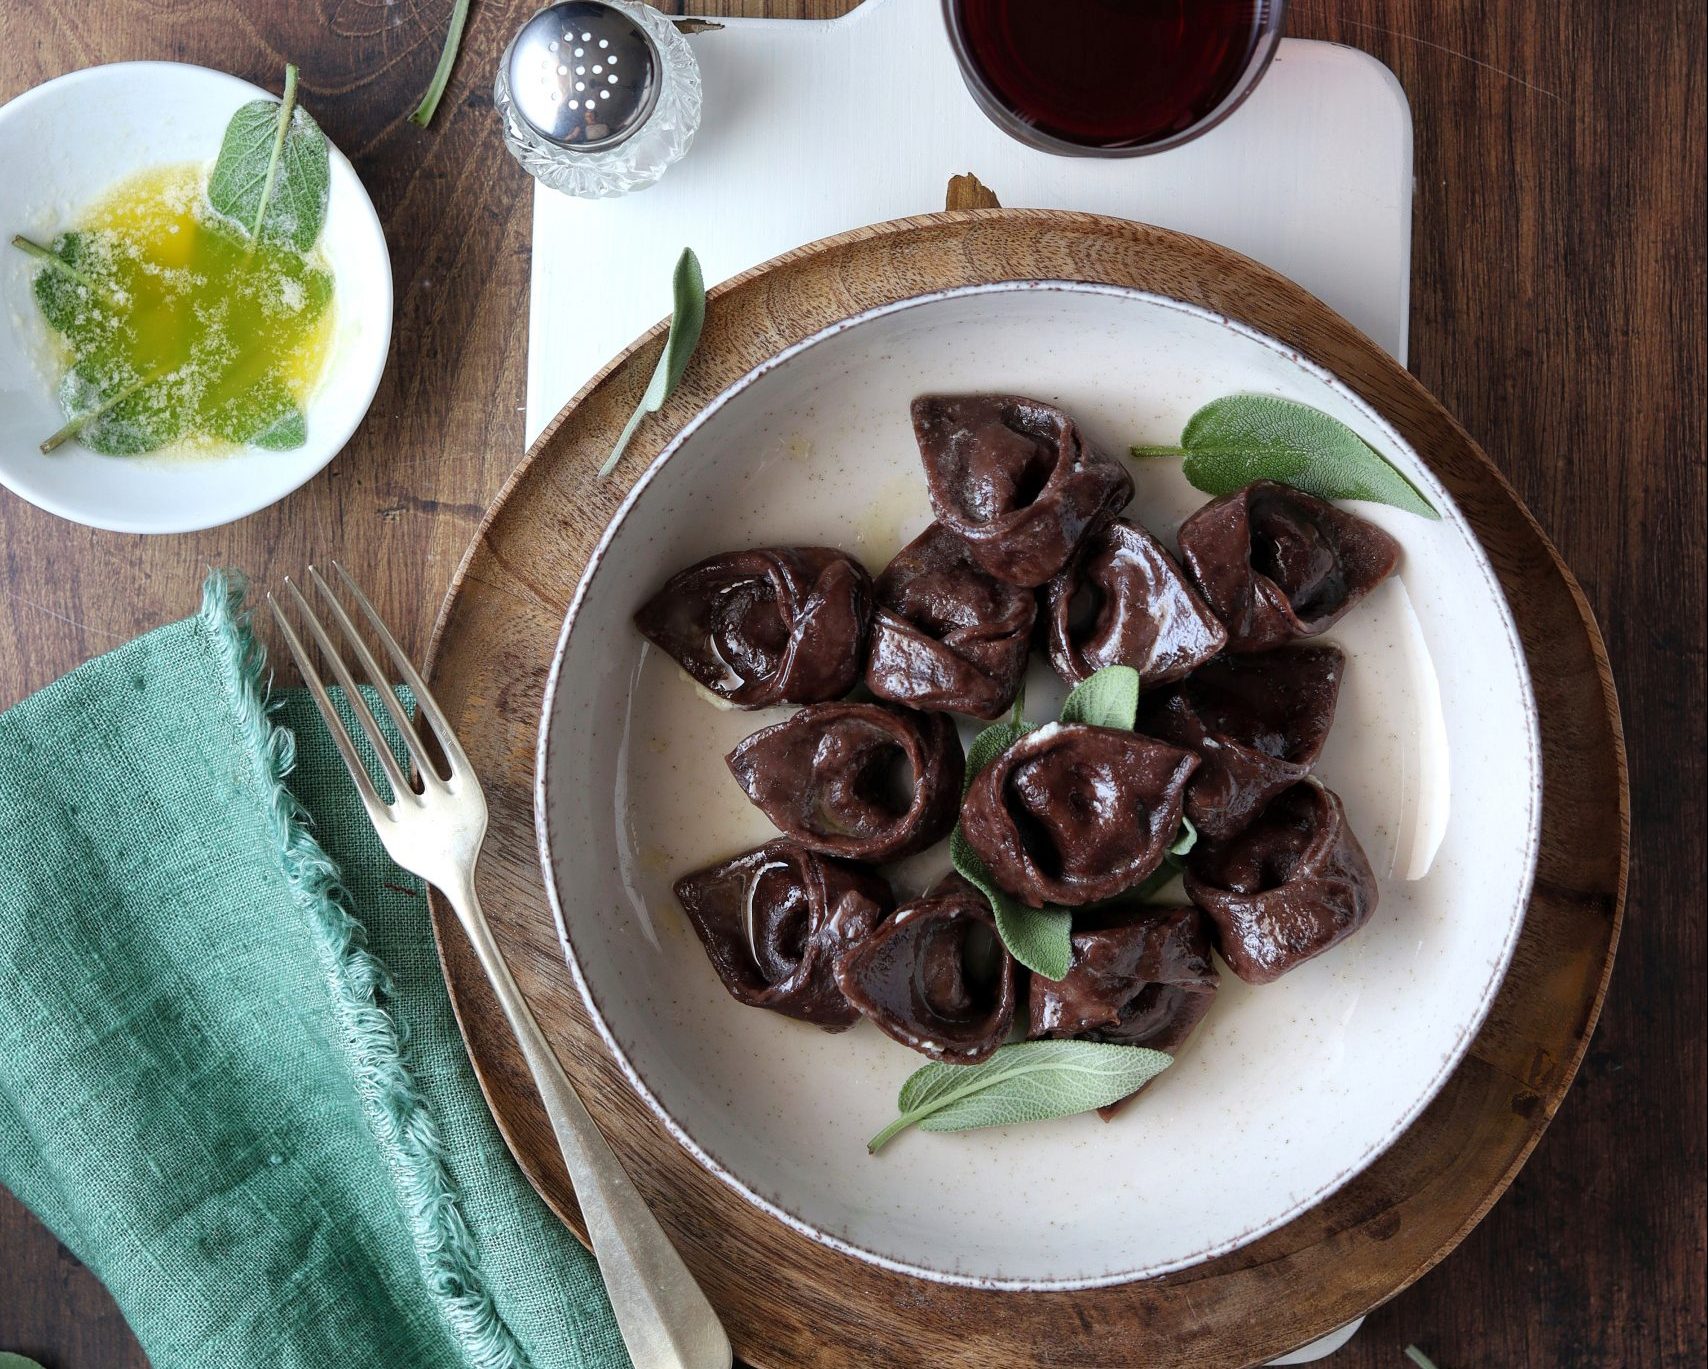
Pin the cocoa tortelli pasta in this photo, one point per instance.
(1016, 478)
(946, 635)
(1292, 884)
(1215, 776)
(1256, 723)
(936, 976)
(775, 921)
(1123, 601)
(1072, 814)
(768, 626)
(1275, 563)
(865, 781)
(1138, 977)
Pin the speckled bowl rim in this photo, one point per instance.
(1450, 512)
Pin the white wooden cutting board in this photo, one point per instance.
(814, 127)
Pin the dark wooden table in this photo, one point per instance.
(1557, 309)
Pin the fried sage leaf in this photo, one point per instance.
(1036, 937)
(1028, 1081)
(1240, 438)
(687, 317)
(1110, 698)
(115, 412)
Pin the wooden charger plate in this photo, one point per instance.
(786, 1299)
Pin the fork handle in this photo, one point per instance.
(665, 1319)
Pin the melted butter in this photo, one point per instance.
(229, 328)
(895, 513)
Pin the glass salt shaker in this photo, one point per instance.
(598, 97)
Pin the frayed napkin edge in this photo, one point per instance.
(402, 1124)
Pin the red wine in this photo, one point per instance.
(1110, 73)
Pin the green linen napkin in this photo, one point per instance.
(230, 1079)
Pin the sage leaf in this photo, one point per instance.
(286, 432)
(1173, 862)
(1416, 1356)
(990, 744)
(116, 413)
(69, 291)
(317, 291)
(265, 415)
(137, 422)
(1027, 1081)
(11, 1360)
(1240, 438)
(273, 175)
(1039, 938)
(424, 111)
(63, 300)
(1109, 698)
(687, 317)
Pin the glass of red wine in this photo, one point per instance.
(1111, 78)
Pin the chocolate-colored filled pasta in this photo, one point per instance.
(936, 976)
(864, 781)
(1072, 814)
(1287, 888)
(768, 626)
(1123, 601)
(1275, 563)
(776, 920)
(1137, 978)
(1256, 723)
(1016, 478)
(945, 634)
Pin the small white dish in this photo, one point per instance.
(65, 144)
(1287, 1090)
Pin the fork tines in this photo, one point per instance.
(402, 790)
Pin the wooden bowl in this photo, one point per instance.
(790, 1300)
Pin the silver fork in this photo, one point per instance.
(665, 1320)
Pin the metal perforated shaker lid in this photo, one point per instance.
(584, 75)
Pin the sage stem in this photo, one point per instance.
(82, 421)
(287, 107)
(424, 111)
(54, 262)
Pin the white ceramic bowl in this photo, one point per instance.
(1286, 1091)
(62, 146)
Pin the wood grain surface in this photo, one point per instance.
(1557, 312)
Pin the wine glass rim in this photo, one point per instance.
(1270, 20)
